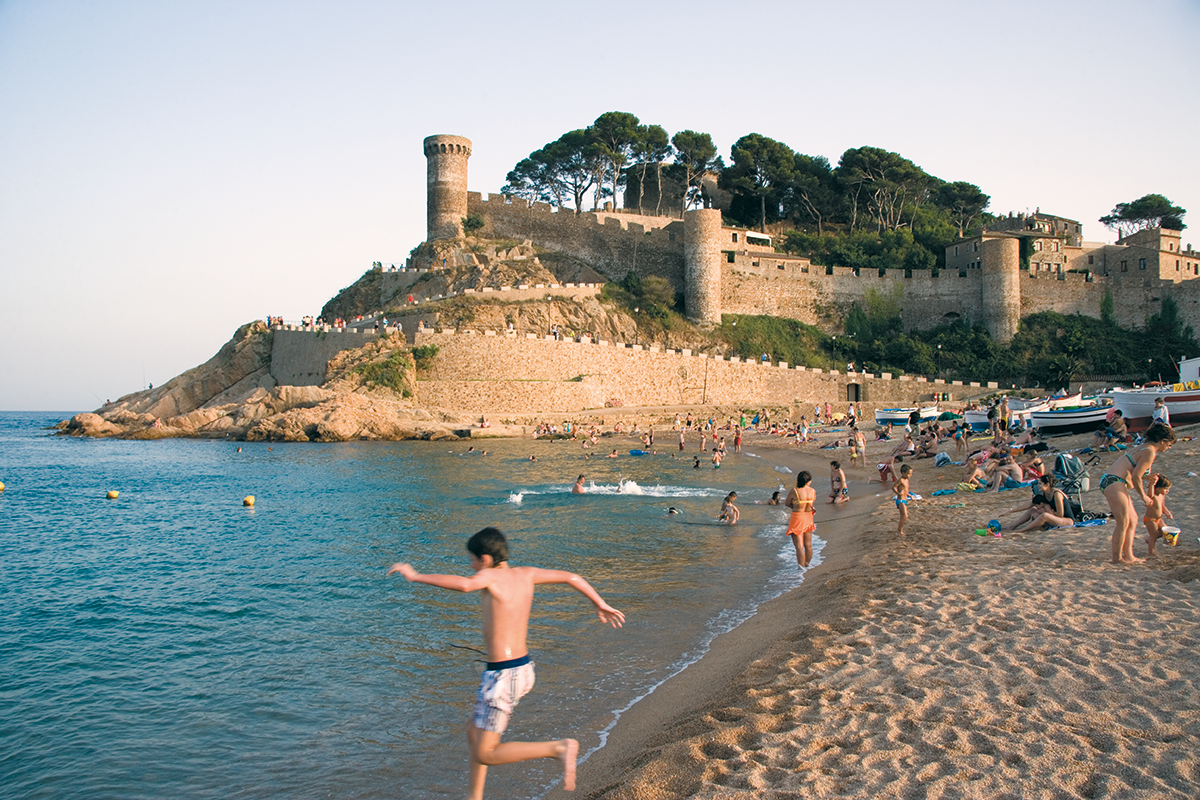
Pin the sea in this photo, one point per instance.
(174, 643)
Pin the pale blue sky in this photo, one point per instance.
(171, 170)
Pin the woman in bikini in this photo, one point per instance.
(1125, 474)
(801, 501)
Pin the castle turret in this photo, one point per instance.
(1001, 266)
(702, 239)
(446, 189)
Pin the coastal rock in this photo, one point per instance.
(88, 424)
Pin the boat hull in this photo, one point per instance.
(1068, 420)
(1137, 407)
(899, 416)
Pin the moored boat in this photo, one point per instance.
(1080, 419)
(1137, 405)
(899, 416)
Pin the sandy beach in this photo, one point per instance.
(941, 665)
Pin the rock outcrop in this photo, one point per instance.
(232, 395)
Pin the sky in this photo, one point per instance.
(171, 170)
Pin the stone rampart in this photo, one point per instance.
(300, 354)
(510, 373)
(823, 295)
(612, 243)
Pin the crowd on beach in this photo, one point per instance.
(1007, 457)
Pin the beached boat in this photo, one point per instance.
(1182, 399)
(1080, 419)
(1137, 405)
(899, 416)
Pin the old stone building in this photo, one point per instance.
(1021, 265)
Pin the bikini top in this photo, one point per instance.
(805, 505)
(1133, 465)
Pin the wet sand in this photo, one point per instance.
(940, 665)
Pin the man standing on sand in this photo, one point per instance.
(506, 598)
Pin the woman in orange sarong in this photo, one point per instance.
(801, 525)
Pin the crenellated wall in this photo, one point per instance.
(612, 243)
(485, 370)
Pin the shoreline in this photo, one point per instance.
(941, 662)
(676, 708)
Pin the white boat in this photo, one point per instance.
(1137, 405)
(1079, 419)
(899, 416)
(1182, 399)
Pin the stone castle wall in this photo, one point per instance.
(479, 371)
(823, 295)
(612, 243)
(300, 355)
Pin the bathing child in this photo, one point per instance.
(838, 493)
(1156, 509)
(900, 490)
(506, 598)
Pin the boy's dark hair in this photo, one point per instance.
(1041, 500)
(489, 542)
(835, 465)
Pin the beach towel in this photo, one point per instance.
(1091, 523)
(941, 492)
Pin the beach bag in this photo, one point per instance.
(941, 459)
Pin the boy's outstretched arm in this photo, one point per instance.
(456, 583)
(604, 611)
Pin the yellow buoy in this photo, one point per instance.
(248, 500)
(113, 494)
(1, 486)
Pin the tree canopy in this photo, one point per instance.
(1150, 211)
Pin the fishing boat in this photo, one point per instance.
(1182, 399)
(899, 416)
(1071, 419)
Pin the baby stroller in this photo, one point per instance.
(1072, 477)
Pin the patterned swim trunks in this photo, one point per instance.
(502, 686)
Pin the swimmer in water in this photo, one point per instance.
(578, 487)
(672, 510)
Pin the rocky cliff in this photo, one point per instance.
(232, 395)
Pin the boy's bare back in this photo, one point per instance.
(506, 598)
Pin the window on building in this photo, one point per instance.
(1124, 266)
(977, 247)
(1037, 245)
(735, 237)
(955, 249)
(729, 256)
(1091, 259)
(1141, 263)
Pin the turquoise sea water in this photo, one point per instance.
(171, 643)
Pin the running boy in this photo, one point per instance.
(1156, 509)
(900, 489)
(506, 598)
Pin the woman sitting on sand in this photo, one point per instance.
(801, 500)
(1126, 473)
(1043, 516)
(1059, 502)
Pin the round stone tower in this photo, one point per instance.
(1001, 266)
(446, 189)
(702, 240)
